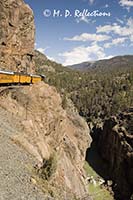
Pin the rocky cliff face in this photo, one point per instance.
(49, 131)
(16, 36)
(57, 138)
(115, 145)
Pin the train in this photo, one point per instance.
(14, 78)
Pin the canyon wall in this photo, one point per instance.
(115, 145)
(17, 32)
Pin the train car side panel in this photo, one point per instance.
(16, 78)
(6, 78)
(25, 79)
(9, 78)
(36, 79)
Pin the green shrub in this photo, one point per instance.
(48, 168)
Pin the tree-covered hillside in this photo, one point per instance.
(97, 93)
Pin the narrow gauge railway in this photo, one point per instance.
(16, 78)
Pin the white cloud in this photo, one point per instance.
(120, 21)
(131, 38)
(115, 42)
(81, 54)
(106, 6)
(126, 30)
(83, 19)
(35, 44)
(50, 58)
(42, 50)
(89, 37)
(130, 23)
(126, 3)
(108, 57)
(91, 1)
(108, 28)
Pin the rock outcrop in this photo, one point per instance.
(47, 131)
(115, 146)
(16, 36)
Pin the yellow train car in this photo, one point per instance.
(16, 78)
(6, 77)
(24, 79)
(35, 78)
(10, 78)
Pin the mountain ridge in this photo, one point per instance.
(115, 61)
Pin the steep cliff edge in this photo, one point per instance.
(37, 121)
(51, 134)
(16, 36)
(115, 145)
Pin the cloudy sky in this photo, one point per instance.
(74, 31)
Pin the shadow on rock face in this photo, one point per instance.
(96, 162)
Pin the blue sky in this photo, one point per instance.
(68, 31)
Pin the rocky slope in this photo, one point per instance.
(115, 145)
(42, 63)
(49, 132)
(15, 178)
(16, 36)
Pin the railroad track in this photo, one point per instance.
(5, 88)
